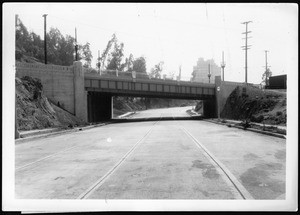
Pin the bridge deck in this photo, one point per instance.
(149, 87)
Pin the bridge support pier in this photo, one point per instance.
(100, 107)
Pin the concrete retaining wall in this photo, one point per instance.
(63, 85)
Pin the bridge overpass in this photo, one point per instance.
(89, 96)
(101, 89)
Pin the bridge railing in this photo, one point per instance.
(138, 76)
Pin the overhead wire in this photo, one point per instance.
(158, 35)
(226, 40)
(156, 16)
(210, 34)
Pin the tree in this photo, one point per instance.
(60, 49)
(114, 62)
(86, 54)
(156, 71)
(23, 41)
(36, 49)
(128, 65)
(265, 77)
(105, 53)
(66, 53)
(172, 74)
(139, 65)
(53, 45)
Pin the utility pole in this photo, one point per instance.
(45, 38)
(266, 56)
(246, 47)
(223, 65)
(209, 73)
(99, 61)
(179, 72)
(16, 20)
(76, 46)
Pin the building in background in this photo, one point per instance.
(201, 71)
(277, 82)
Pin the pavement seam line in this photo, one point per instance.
(240, 188)
(44, 158)
(101, 181)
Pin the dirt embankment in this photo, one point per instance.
(256, 105)
(35, 111)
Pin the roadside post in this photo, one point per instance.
(133, 73)
(218, 90)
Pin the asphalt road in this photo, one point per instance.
(152, 160)
(164, 112)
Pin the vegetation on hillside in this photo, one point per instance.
(35, 111)
(60, 48)
(256, 105)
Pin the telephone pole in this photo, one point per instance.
(209, 73)
(246, 47)
(16, 20)
(179, 76)
(45, 38)
(76, 46)
(266, 56)
(223, 65)
(99, 64)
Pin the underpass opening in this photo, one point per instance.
(151, 107)
(104, 106)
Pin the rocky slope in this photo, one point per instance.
(35, 111)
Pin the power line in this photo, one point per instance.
(246, 47)
(210, 35)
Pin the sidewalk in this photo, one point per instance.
(272, 130)
(259, 124)
(35, 134)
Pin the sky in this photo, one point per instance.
(180, 33)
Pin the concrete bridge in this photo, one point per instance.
(101, 89)
(89, 96)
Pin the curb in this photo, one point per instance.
(53, 133)
(250, 129)
(40, 132)
(192, 113)
(126, 115)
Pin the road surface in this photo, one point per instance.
(165, 112)
(186, 159)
